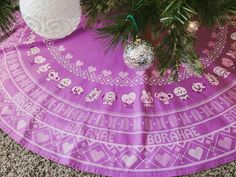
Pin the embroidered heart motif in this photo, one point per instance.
(21, 124)
(163, 159)
(69, 56)
(79, 63)
(42, 137)
(129, 160)
(214, 35)
(140, 73)
(67, 147)
(205, 51)
(156, 73)
(225, 143)
(211, 44)
(6, 110)
(196, 153)
(106, 73)
(35, 125)
(97, 155)
(61, 48)
(91, 69)
(123, 75)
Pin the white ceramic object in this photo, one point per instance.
(51, 19)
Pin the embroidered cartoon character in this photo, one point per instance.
(231, 54)
(77, 90)
(30, 39)
(44, 68)
(221, 71)
(128, 99)
(212, 79)
(38, 60)
(198, 87)
(93, 95)
(66, 82)
(233, 45)
(181, 93)
(164, 97)
(33, 51)
(147, 99)
(53, 76)
(233, 35)
(228, 63)
(109, 98)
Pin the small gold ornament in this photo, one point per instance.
(193, 27)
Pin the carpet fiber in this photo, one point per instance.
(18, 162)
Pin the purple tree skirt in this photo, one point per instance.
(70, 102)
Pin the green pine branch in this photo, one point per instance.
(214, 12)
(177, 46)
(6, 17)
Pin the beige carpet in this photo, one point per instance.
(18, 162)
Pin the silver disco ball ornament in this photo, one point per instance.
(139, 54)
